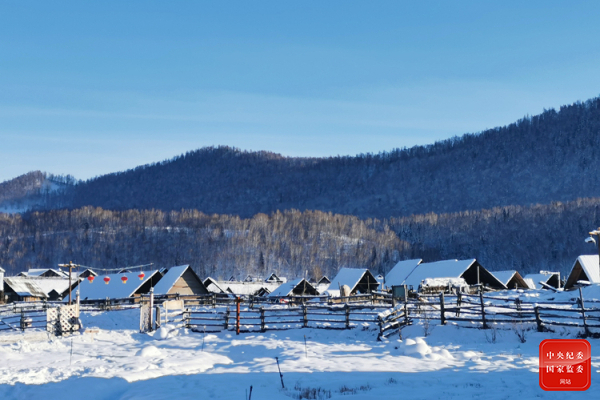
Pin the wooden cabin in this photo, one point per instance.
(23, 289)
(469, 270)
(358, 280)
(180, 280)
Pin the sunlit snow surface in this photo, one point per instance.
(120, 363)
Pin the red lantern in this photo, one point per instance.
(124, 279)
(141, 276)
(91, 278)
(106, 280)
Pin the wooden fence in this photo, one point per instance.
(20, 316)
(485, 312)
(240, 318)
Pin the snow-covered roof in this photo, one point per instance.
(247, 288)
(591, 268)
(274, 278)
(60, 285)
(530, 283)
(285, 288)
(168, 280)
(400, 272)
(324, 280)
(437, 282)
(504, 276)
(533, 280)
(91, 271)
(2, 269)
(347, 276)
(41, 271)
(438, 269)
(116, 289)
(322, 287)
(212, 286)
(25, 287)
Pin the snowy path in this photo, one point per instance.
(120, 363)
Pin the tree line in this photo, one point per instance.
(298, 244)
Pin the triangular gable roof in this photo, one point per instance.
(2, 269)
(589, 264)
(350, 277)
(287, 288)
(510, 278)
(212, 285)
(87, 272)
(400, 272)
(273, 278)
(41, 271)
(115, 289)
(170, 278)
(504, 276)
(324, 281)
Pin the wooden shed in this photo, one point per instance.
(543, 280)
(180, 280)
(585, 268)
(511, 279)
(297, 287)
(358, 280)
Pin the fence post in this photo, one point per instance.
(214, 300)
(227, 318)
(380, 322)
(347, 307)
(442, 310)
(238, 300)
(262, 320)
(151, 307)
(406, 312)
(585, 327)
(158, 318)
(458, 303)
(305, 315)
(482, 310)
(538, 319)
(22, 322)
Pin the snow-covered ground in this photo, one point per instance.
(118, 362)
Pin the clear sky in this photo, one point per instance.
(88, 88)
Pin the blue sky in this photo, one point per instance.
(88, 88)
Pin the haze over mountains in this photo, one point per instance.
(545, 159)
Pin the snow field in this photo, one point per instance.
(120, 363)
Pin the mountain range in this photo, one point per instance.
(547, 159)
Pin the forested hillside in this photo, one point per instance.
(549, 157)
(33, 189)
(293, 243)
